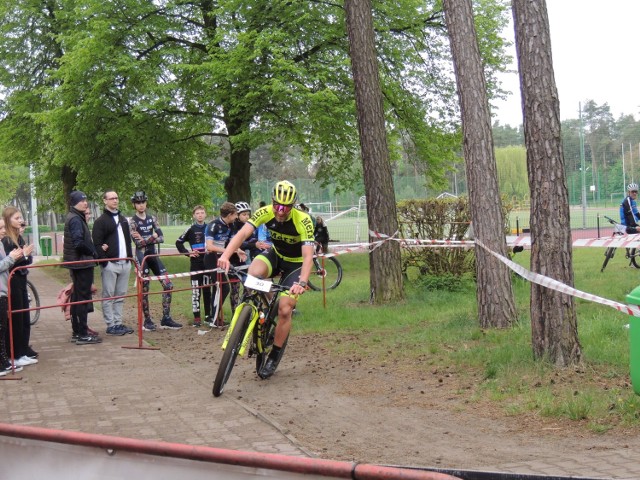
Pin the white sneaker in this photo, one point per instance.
(24, 361)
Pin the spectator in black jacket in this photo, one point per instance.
(78, 246)
(112, 240)
(321, 234)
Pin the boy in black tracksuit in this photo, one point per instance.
(195, 236)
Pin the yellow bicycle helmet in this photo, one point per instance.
(284, 193)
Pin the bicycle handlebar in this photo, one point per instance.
(243, 274)
(611, 220)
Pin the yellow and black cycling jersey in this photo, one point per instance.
(289, 236)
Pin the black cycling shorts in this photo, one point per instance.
(290, 271)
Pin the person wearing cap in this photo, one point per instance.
(78, 247)
(112, 240)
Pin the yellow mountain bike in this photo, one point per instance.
(253, 326)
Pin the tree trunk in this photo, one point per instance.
(238, 183)
(553, 317)
(69, 179)
(384, 262)
(496, 304)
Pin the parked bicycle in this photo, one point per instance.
(331, 271)
(253, 325)
(631, 253)
(34, 302)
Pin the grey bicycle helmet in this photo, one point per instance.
(632, 187)
(243, 207)
(139, 196)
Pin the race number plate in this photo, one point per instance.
(258, 284)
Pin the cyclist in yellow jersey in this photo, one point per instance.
(291, 255)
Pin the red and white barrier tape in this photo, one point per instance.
(561, 287)
(511, 241)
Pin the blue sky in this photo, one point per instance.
(595, 57)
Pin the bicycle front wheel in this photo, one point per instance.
(34, 301)
(608, 255)
(633, 253)
(332, 273)
(231, 352)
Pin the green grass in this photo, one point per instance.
(439, 330)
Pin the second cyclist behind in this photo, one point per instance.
(291, 255)
(629, 216)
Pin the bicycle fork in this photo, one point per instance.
(247, 335)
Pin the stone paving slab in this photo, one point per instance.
(144, 394)
(125, 392)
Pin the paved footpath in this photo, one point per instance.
(133, 393)
(143, 394)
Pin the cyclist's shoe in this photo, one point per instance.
(208, 321)
(219, 323)
(268, 369)
(196, 322)
(148, 325)
(168, 323)
(115, 330)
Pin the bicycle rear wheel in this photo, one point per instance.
(231, 351)
(608, 255)
(332, 274)
(268, 336)
(34, 301)
(633, 253)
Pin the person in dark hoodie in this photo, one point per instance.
(78, 247)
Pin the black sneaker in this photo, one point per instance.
(149, 326)
(88, 340)
(268, 369)
(6, 368)
(167, 322)
(74, 337)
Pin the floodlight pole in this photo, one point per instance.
(34, 212)
(584, 172)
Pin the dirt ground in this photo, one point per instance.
(344, 407)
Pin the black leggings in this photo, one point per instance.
(21, 321)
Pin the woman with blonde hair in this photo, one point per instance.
(19, 298)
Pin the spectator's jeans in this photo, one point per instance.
(115, 282)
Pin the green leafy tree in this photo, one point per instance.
(146, 94)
